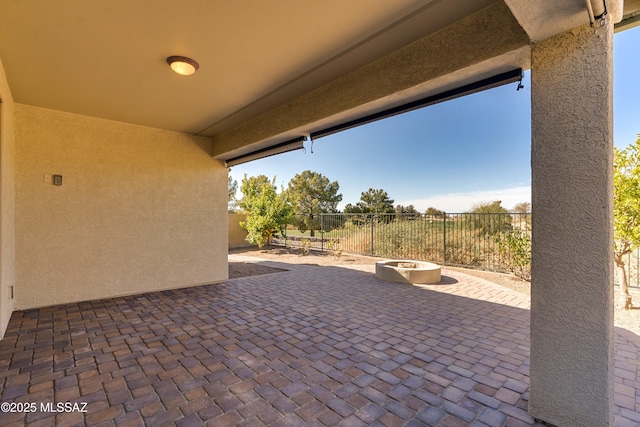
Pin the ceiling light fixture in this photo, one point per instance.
(183, 65)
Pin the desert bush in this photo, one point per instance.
(305, 246)
(515, 246)
(334, 248)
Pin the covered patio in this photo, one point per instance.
(312, 345)
(113, 186)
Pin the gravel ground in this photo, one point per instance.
(628, 319)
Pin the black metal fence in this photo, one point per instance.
(632, 265)
(491, 241)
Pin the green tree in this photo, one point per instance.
(268, 211)
(406, 212)
(434, 212)
(494, 217)
(376, 202)
(312, 194)
(352, 209)
(357, 216)
(522, 207)
(489, 207)
(251, 187)
(232, 188)
(626, 211)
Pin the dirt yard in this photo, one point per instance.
(628, 319)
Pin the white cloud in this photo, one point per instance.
(462, 202)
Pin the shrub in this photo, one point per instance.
(334, 248)
(305, 246)
(268, 211)
(515, 246)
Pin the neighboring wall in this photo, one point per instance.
(237, 235)
(7, 202)
(139, 209)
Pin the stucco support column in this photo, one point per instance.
(572, 272)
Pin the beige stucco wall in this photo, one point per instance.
(7, 202)
(139, 209)
(572, 247)
(237, 234)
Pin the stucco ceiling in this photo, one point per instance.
(108, 58)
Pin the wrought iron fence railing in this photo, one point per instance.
(632, 265)
(491, 241)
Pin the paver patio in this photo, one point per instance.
(318, 346)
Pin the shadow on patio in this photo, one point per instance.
(311, 346)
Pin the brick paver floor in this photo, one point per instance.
(317, 346)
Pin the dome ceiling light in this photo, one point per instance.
(183, 65)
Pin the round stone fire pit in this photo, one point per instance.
(407, 271)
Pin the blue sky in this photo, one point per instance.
(454, 154)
